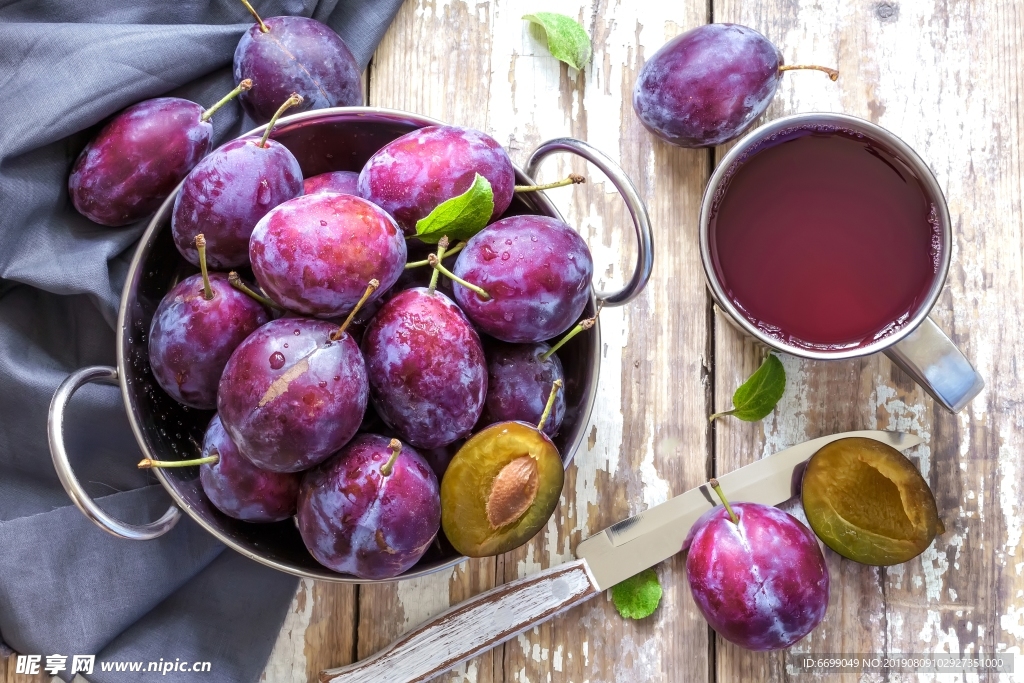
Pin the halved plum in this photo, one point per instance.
(866, 501)
(500, 489)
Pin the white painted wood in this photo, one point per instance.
(475, 626)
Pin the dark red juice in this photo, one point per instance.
(825, 240)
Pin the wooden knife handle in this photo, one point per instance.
(472, 627)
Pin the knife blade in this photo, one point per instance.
(612, 555)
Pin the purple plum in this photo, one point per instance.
(708, 85)
(238, 488)
(410, 176)
(428, 376)
(295, 55)
(372, 510)
(344, 182)
(291, 394)
(519, 382)
(761, 582)
(227, 194)
(315, 253)
(191, 337)
(536, 271)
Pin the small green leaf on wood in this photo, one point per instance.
(758, 396)
(638, 596)
(460, 217)
(567, 41)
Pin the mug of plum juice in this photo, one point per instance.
(825, 236)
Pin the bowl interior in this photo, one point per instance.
(325, 140)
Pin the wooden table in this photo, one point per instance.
(946, 77)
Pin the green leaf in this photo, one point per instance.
(459, 217)
(567, 41)
(757, 397)
(638, 596)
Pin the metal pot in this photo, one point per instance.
(322, 140)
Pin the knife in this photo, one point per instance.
(603, 560)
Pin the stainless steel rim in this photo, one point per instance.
(875, 132)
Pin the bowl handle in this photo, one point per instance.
(55, 427)
(637, 210)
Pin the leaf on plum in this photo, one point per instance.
(567, 41)
(460, 217)
(758, 396)
(638, 596)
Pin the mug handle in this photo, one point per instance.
(635, 205)
(934, 362)
(55, 427)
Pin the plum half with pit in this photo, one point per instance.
(708, 85)
(314, 254)
(536, 272)
(519, 380)
(238, 488)
(426, 366)
(293, 393)
(410, 176)
(372, 510)
(343, 182)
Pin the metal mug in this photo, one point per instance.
(322, 140)
(920, 348)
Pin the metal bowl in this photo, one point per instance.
(322, 140)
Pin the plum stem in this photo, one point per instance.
(442, 247)
(580, 327)
(426, 262)
(252, 11)
(370, 289)
(439, 267)
(556, 386)
(573, 179)
(149, 463)
(236, 282)
(833, 74)
(718, 489)
(389, 466)
(201, 247)
(715, 416)
(241, 87)
(293, 100)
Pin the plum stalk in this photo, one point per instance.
(263, 27)
(580, 327)
(290, 102)
(556, 386)
(573, 179)
(833, 74)
(396, 448)
(370, 289)
(236, 281)
(201, 248)
(242, 87)
(718, 489)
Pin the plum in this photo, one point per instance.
(707, 86)
(757, 575)
(314, 254)
(139, 157)
(195, 329)
(372, 510)
(238, 488)
(428, 376)
(345, 182)
(227, 194)
(519, 380)
(411, 175)
(293, 393)
(284, 55)
(536, 271)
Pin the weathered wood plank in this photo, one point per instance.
(943, 76)
(7, 675)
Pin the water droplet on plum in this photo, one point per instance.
(277, 360)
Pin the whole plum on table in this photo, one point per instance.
(372, 510)
(238, 488)
(345, 182)
(761, 580)
(293, 393)
(428, 376)
(284, 55)
(707, 86)
(139, 157)
(193, 334)
(411, 175)
(314, 254)
(536, 271)
(519, 380)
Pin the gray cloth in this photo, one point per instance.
(65, 586)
